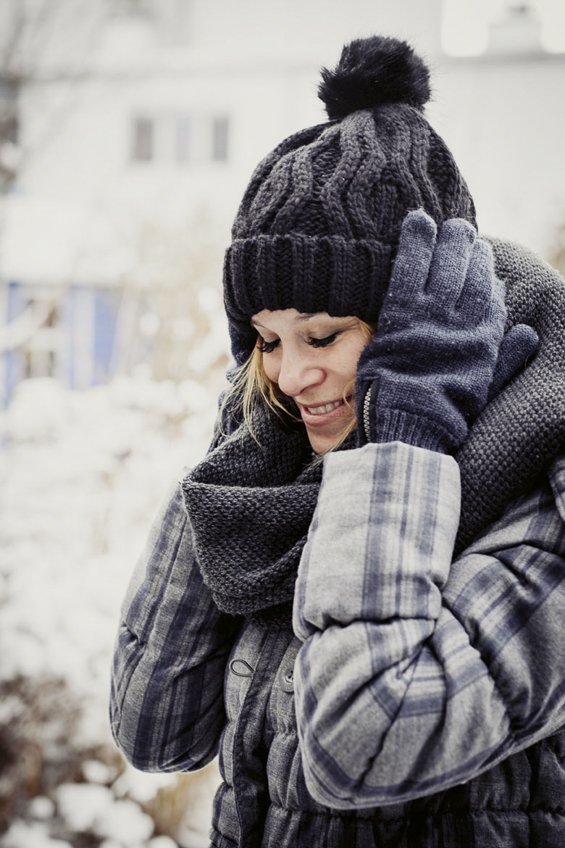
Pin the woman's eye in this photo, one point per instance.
(327, 340)
(266, 347)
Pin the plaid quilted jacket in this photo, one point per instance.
(416, 702)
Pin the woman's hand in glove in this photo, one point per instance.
(426, 374)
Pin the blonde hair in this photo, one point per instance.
(251, 387)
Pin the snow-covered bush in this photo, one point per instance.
(83, 474)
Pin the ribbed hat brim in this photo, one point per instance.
(308, 273)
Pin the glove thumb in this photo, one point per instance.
(519, 344)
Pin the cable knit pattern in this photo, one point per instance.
(251, 505)
(320, 221)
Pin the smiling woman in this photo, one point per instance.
(396, 602)
(311, 359)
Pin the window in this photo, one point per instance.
(41, 352)
(143, 141)
(192, 138)
(8, 134)
(220, 132)
(184, 139)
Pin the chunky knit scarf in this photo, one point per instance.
(250, 504)
(251, 501)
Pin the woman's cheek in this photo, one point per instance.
(270, 366)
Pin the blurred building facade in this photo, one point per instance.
(139, 125)
(504, 118)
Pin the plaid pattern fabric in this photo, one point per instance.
(417, 673)
(167, 702)
(412, 674)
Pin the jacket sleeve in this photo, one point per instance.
(166, 703)
(416, 672)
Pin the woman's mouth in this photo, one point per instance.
(322, 413)
(323, 408)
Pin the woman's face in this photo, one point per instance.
(313, 359)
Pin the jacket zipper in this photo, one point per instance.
(366, 409)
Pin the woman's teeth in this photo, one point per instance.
(324, 409)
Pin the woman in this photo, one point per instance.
(357, 598)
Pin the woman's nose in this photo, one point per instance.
(298, 373)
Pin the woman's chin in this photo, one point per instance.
(323, 439)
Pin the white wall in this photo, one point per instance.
(258, 62)
(505, 123)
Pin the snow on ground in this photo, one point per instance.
(82, 476)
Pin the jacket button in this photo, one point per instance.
(241, 668)
(287, 681)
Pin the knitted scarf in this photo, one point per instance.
(251, 501)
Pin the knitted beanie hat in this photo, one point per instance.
(319, 224)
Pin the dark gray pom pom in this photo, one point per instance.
(373, 71)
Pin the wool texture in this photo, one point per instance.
(318, 231)
(319, 224)
(424, 376)
(523, 428)
(374, 70)
(250, 505)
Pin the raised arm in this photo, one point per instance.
(417, 673)
(167, 709)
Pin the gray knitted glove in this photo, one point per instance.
(425, 376)
(520, 343)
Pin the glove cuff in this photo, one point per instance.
(396, 425)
